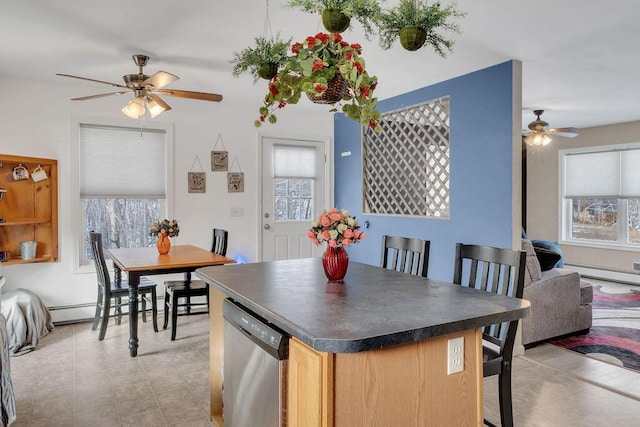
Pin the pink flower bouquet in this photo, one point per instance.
(336, 228)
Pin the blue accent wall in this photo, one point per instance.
(481, 171)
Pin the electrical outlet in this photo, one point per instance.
(236, 212)
(455, 355)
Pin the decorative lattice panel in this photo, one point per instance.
(406, 166)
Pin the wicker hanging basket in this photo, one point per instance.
(336, 88)
(334, 20)
(412, 37)
(267, 70)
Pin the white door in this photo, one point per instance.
(293, 193)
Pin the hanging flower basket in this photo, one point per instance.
(329, 71)
(412, 37)
(335, 21)
(336, 89)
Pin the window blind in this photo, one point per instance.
(609, 174)
(122, 162)
(294, 162)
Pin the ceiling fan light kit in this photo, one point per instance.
(144, 88)
(538, 133)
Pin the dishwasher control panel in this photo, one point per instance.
(263, 333)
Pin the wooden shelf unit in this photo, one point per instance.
(29, 209)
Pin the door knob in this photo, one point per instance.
(266, 226)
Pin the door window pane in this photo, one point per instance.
(293, 199)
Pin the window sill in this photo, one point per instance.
(600, 245)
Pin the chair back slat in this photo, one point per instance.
(104, 280)
(219, 243)
(406, 255)
(501, 272)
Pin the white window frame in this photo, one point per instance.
(565, 204)
(76, 203)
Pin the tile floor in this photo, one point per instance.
(74, 380)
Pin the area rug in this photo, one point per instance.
(615, 334)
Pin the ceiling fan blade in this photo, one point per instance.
(566, 132)
(160, 79)
(102, 95)
(92, 80)
(203, 96)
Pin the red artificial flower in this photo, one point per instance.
(266, 99)
(262, 118)
(273, 90)
(311, 41)
(372, 125)
(337, 37)
(317, 65)
(373, 86)
(281, 104)
(319, 87)
(357, 47)
(364, 90)
(349, 54)
(358, 67)
(323, 37)
(295, 48)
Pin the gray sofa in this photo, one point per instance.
(560, 301)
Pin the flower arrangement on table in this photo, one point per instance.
(170, 228)
(337, 228)
(317, 63)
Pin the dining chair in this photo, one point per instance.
(499, 271)
(111, 293)
(406, 255)
(176, 290)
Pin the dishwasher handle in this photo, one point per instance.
(266, 335)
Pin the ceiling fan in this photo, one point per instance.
(538, 133)
(146, 89)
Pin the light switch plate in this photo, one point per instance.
(236, 212)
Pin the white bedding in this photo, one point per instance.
(28, 320)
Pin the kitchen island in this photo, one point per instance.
(369, 351)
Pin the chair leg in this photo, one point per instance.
(106, 310)
(143, 297)
(118, 311)
(174, 316)
(154, 310)
(207, 298)
(96, 316)
(167, 307)
(504, 394)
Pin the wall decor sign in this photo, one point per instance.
(197, 181)
(219, 158)
(235, 180)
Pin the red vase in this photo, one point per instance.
(164, 244)
(335, 262)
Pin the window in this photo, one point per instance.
(601, 195)
(122, 182)
(294, 174)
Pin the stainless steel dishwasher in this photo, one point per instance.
(255, 370)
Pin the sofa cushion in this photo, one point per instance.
(547, 258)
(533, 271)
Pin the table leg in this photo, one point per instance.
(134, 281)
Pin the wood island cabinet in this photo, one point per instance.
(29, 209)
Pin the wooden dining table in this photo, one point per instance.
(138, 262)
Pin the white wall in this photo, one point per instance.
(35, 120)
(543, 221)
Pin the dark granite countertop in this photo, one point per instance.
(373, 308)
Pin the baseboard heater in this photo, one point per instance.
(614, 275)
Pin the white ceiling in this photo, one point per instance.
(580, 58)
